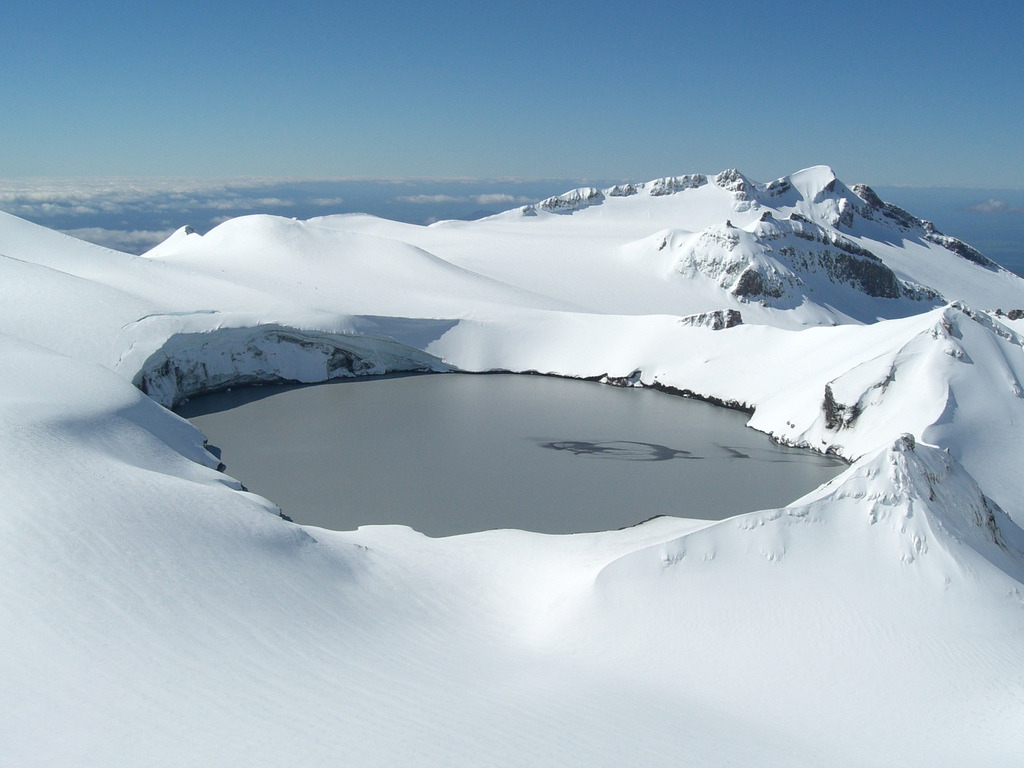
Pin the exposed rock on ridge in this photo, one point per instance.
(718, 320)
(875, 209)
(775, 259)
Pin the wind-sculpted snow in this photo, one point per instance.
(154, 612)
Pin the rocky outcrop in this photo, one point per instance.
(574, 200)
(718, 320)
(838, 415)
(669, 185)
(959, 247)
(584, 197)
(733, 181)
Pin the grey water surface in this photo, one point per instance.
(456, 453)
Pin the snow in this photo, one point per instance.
(152, 611)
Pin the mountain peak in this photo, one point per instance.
(815, 183)
(735, 182)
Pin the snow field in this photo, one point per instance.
(152, 612)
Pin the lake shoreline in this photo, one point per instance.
(458, 454)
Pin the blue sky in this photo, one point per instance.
(887, 93)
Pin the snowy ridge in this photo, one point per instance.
(773, 260)
(910, 502)
(572, 201)
(583, 197)
(875, 209)
(838, 255)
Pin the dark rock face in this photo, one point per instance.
(871, 277)
(867, 194)
(779, 258)
(718, 320)
(865, 272)
(752, 284)
(820, 235)
(198, 363)
(837, 415)
(632, 380)
(877, 207)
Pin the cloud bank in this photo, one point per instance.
(495, 198)
(133, 215)
(992, 205)
(83, 197)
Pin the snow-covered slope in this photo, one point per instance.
(153, 612)
(821, 251)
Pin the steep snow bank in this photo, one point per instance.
(194, 363)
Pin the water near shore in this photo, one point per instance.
(449, 454)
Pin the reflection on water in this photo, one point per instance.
(624, 450)
(455, 453)
(636, 450)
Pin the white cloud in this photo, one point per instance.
(428, 199)
(501, 199)
(108, 211)
(495, 198)
(992, 205)
(81, 197)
